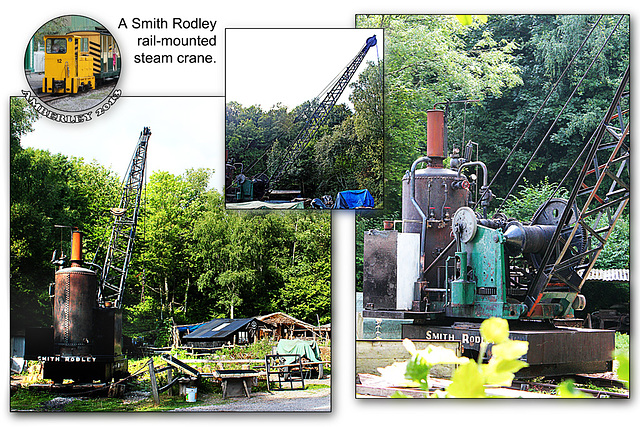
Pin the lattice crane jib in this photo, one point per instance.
(320, 113)
(600, 194)
(120, 246)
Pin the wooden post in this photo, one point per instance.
(154, 384)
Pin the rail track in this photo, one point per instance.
(47, 97)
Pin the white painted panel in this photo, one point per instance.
(408, 268)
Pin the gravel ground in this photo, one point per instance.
(78, 102)
(310, 400)
(277, 401)
(82, 101)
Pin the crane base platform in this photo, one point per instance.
(552, 350)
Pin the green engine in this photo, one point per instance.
(491, 272)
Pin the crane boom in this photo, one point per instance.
(120, 247)
(587, 222)
(319, 115)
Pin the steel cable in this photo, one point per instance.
(535, 116)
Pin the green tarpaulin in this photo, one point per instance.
(308, 349)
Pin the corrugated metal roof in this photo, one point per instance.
(219, 328)
(612, 275)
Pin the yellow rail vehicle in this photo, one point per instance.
(78, 60)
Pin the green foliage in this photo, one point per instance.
(467, 382)
(616, 253)
(192, 259)
(431, 59)
(22, 117)
(530, 197)
(622, 357)
(566, 389)
(24, 400)
(48, 190)
(470, 378)
(259, 263)
(509, 63)
(256, 350)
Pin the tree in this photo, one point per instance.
(306, 292)
(173, 205)
(21, 119)
(547, 44)
(431, 59)
(344, 153)
(47, 190)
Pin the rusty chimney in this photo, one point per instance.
(76, 248)
(435, 136)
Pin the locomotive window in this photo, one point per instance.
(56, 46)
(84, 44)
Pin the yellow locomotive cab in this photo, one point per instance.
(66, 68)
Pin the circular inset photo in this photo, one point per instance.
(72, 63)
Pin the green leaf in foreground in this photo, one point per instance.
(467, 382)
(567, 389)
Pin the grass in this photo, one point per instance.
(25, 400)
(622, 341)
(38, 400)
(167, 403)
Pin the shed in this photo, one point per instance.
(288, 327)
(608, 295)
(219, 332)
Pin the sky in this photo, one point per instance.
(186, 133)
(290, 66)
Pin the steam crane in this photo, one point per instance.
(450, 268)
(265, 182)
(85, 342)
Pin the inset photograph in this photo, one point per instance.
(133, 289)
(507, 215)
(72, 63)
(304, 119)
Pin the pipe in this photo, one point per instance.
(412, 195)
(76, 248)
(484, 170)
(484, 190)
(446, 197)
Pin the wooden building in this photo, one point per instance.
(288, 327)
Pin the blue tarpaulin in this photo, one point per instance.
(352, 199)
